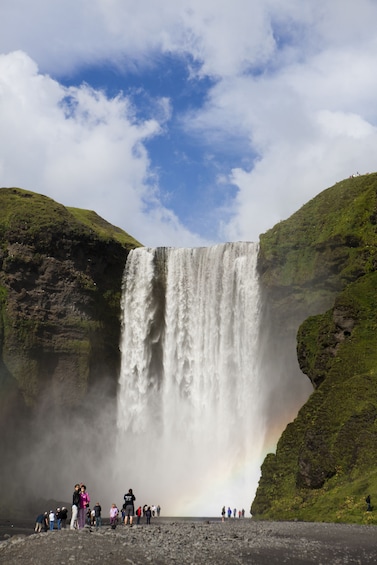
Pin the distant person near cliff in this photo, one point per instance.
(368, 501)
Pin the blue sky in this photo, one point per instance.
(187, 123)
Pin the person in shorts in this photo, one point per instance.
(129, 508)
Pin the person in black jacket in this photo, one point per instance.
(75, 506)
(64, 516)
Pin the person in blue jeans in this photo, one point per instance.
(59, 518)
(97, 514)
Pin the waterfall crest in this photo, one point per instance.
(190, 403)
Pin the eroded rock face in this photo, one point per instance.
(60, 288)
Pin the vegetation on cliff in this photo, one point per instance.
(321, 263)
(60, 285)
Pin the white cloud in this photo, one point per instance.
(294, 95)
(80, 148)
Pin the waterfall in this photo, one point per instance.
(191, 427)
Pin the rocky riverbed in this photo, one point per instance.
(194, 542)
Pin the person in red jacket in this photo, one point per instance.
(138, 514)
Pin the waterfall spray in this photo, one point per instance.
(191, 426)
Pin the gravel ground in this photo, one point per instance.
(196, 542)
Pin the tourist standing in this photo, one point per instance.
(138, 515)
(223, 514)
(97, 513)
(51, 518)
(75, 506)
(129, 508)
(113, 515)
(83, 505)
(148, 514)
(58, 518)
(64, 516)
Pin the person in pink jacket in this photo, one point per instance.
(84, 504)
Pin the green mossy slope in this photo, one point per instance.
(325, 462)
(60, 286)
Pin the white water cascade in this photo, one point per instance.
(191, 427)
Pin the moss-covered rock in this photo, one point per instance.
(321, 263)
(60, 286)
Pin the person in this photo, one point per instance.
(64, 516)
(75, 506)
(88, 516)
(223, 514)
(153, 510)
(38, 523)
(368, 501)
(83, 505)
(158, 510)
(45, 522)
(229, 512)
(51, 518)
(129, 508)
(58, 518)
(97, 513)
(148, 514)
(234, 512)
(138, 514)
(113, 515)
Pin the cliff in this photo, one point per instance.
(60, 285)
(318, 272)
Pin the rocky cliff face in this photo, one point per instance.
(60, 286)
(319, 278)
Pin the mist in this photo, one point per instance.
(207, 385)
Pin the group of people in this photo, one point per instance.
(128, 511)
(82, 514)
(241, 513)
(48, 520)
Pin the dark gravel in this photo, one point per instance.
(198, 542)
